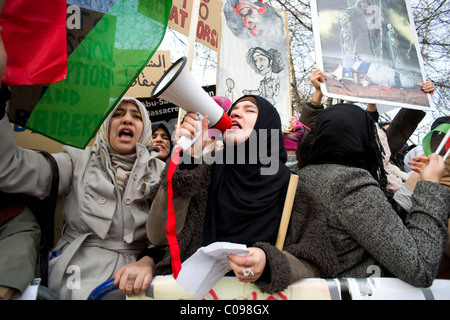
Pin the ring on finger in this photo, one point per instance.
(248, 272)
(131, 278)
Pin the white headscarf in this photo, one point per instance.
(146, 138)
(124, 163)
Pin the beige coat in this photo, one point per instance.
(103, 231)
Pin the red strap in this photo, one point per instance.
(171, 228)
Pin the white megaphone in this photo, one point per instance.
(179, 87)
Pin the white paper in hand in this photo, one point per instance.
(207, 266)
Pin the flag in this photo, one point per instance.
(34, 35)
(100, 70)
(433, 139)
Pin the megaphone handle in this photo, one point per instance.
(184, 142)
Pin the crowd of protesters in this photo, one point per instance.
(358, 204)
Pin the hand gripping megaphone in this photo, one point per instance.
(179, 87)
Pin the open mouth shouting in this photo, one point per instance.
(126, 135)
(243, 118)
(125, 128)
(235, 125)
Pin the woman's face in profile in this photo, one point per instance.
(243, 118)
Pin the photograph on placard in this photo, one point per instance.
(369, 52)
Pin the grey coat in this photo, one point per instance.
(19, 245)
(102, 230)
(369, 236)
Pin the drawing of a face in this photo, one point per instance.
(263, 63)
(251, 15)
(230, 84)
(251, 20)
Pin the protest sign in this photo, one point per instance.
(254, 54)
(369, 52)
(208, 25)
(146, 80)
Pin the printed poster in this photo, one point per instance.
(369, 52)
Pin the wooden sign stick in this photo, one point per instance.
(286, 215)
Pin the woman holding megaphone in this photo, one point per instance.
(239, 198)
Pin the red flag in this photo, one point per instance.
(34, 34)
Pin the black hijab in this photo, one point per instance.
(245, 206)
(345, 134)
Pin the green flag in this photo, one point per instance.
(432, 140)
(100, 70)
